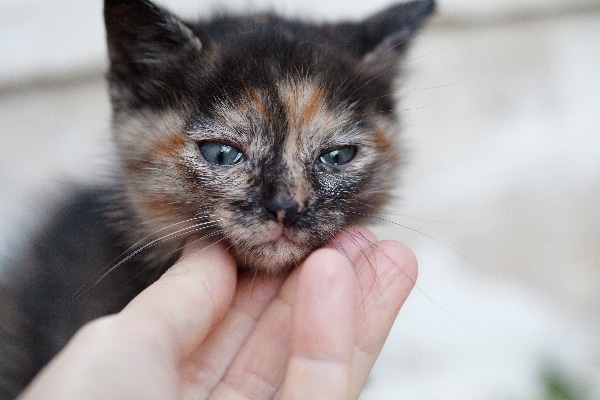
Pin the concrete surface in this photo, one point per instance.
(502, 124)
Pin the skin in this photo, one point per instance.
(203, 332)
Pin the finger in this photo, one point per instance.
(387, 274)
(206, 367)
(322, 338)
(258, 369)
(179, 309)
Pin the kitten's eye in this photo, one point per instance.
(340, 156)
(221, 154)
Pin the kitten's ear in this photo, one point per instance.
(385, 36)
(147, 48)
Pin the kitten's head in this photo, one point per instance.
(268, 133)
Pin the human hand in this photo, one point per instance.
(203, 332)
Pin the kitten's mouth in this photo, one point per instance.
(271, 247)
(283, 241)
(279, 239)
(278, 236)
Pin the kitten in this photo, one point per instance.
(266, 133)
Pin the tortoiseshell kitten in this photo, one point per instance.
(266, 133)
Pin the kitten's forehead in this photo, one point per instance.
(303, 101)
(312, 117)
(293, 115)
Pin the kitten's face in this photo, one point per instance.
(268, 134)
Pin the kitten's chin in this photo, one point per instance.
(274, 254)
(274, 263)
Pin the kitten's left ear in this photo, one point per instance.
(385, 36)
(148, 47)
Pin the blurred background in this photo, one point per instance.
(500, 199)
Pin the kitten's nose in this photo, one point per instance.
(284, 209)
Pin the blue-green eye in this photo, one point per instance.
(221, 154)
(340, 156)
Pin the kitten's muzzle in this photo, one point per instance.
(284, 209)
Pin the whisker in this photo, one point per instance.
(136, 244)
(162, 239)
(355, 236)
(453, 83)
(423, 234)
(212, 234)
(411, 90)
(180, 248)
(159, 272)
(442, 50)
(375, 248)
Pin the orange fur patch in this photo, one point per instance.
(168, 146)
(316, 101)
(302, 101)
(259, 104)
(156, 205)
(381, 140)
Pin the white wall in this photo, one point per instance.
(47, 37)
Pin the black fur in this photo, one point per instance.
(242, 51)
(51, 292)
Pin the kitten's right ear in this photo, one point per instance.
(385, 36)
(147, 48)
